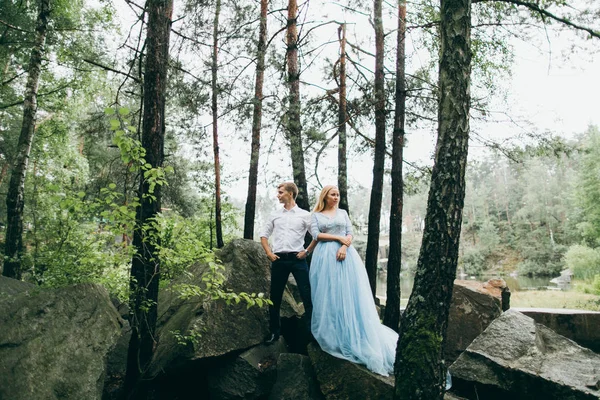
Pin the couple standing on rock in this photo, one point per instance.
(338, 304)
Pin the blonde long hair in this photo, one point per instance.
(320, 206)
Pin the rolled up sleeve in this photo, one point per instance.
(267, 229)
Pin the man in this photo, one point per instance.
(287, 228)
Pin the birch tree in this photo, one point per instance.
(420, 371)
(15, 199)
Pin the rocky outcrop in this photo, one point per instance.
(517, 358)
(11, 287)
(296, 379)
(581, 326)
(341, 379)
(54, 343)
(222, 328)
(250, 375)
(474, 306)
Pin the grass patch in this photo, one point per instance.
(555, 299)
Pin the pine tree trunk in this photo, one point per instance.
(256, 123)
(215, 90)
(294, 127)
(379, 156)
(342, 117)
(15, 199)
(391, 316)
(420, 368)
(145, 267)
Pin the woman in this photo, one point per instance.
(345, 322)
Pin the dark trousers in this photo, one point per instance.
(280, 271)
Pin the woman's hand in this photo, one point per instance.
(345, 240)
(341, 253)
(349, 239)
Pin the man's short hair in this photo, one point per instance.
(289, 187)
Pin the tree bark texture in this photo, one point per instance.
(420, 368)
(215, 93)
(379, 156)
(15, 199)
(342, 118)
(256, 123)
(391, 316)
(294, 127)
(145, 268)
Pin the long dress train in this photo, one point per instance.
(345, 322)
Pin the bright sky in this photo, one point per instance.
(551, 93)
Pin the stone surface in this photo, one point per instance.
(11, 287)
(116, 365)
(580, 326)
(341, 379)
(517, 358)
(223, 328)
(296, 379)
(54, 343)
(474, 306)
(250, 375)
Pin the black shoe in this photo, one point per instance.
(274, 337)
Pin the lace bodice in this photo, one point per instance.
(337, 225)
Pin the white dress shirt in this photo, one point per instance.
(287, 228)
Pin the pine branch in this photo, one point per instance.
(16, 28)
(545, 13)
(17, 103)
(107, 68)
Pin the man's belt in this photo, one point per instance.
(287, 256)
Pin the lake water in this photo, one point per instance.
(515, 284)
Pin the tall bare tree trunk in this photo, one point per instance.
(342, 117)
(215, 93)
(294, 127)
(145, 267)
(391, 316)
(256, 123)
(420, 368)
(379, 156)
(15, 199)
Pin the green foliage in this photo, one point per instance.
(588, 188)
(473, 262)
(596, 285)
(76, 241)
(583, 261)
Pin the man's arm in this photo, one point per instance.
(305, 253)
(265, 244)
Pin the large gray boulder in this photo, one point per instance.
(53, 343)
(250, 375)
(517, 358)
(296, 379)
(10, 287)
(581, 326)
(223, 328)
(473, 308)
(341, 379)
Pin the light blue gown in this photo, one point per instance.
(345, 322)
